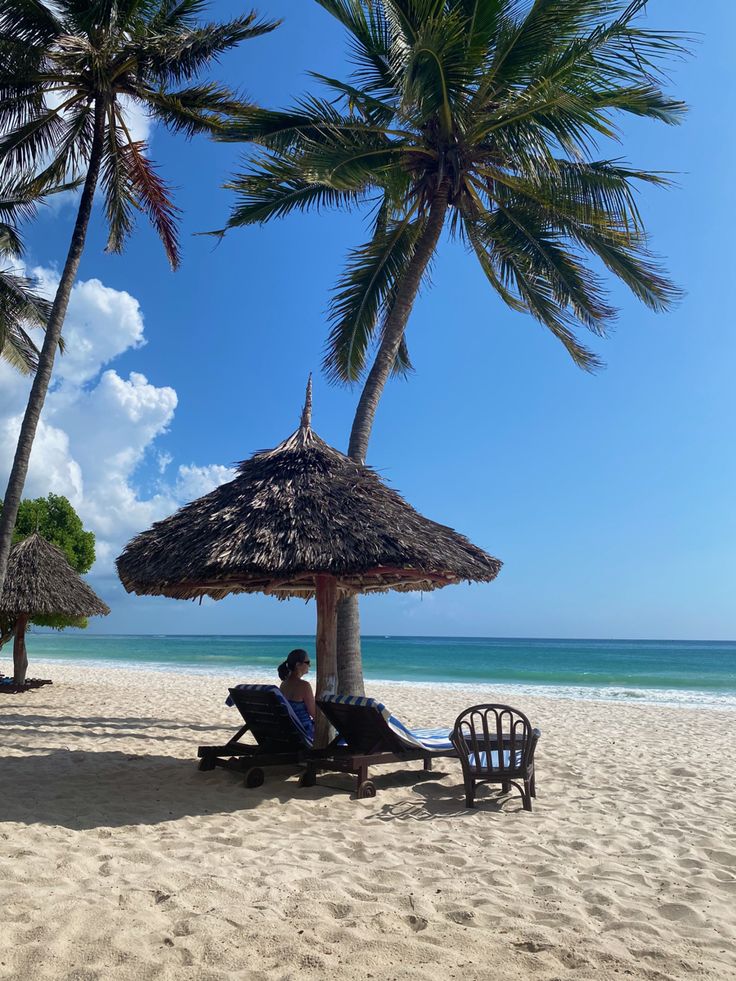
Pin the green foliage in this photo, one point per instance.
(66, 64)
(501, 104)
(55, 519)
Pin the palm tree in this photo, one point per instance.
(21, 307)
(480, 118)
(69, 69)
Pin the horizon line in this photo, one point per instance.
(660, 640)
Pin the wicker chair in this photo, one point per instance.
(495, 744)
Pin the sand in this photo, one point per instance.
(119, 859)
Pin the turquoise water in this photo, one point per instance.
(676, 672)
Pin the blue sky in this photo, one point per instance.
(610, 498)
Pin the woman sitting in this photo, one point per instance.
(298, 692)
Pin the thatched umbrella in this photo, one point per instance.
(300, 520)
(40, 582)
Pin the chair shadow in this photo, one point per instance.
(438, 802)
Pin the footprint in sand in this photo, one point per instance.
(462, 916)
(340, 910)
(532, 946)
(680, 913)
(723, 858)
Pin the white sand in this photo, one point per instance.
(120, 860)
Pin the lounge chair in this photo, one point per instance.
(8, 686)
(280, 738)
(479, 732)
(367, 734)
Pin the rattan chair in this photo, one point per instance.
(495, 744)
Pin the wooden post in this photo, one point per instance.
(20, 658)
(326, 589)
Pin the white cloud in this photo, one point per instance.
(51, 467)
(195, 481)
(98, 427)
(163, 460)
(101, 324)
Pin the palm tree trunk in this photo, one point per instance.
(42, 378)
(20, 658)
(349, 660)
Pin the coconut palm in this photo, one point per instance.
(481, 118)
(69, 71)
(21, 307)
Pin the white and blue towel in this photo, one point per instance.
(481, 761)
(433, 740)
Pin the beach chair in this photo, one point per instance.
(8, 686)
(368, 735)
(279, 736)
(495, 744)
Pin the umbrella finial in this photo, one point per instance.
(306, 422)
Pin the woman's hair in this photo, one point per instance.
(297, 656)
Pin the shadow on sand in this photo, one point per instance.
(105, 788)
(435, 801)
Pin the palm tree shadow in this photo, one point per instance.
(125, 725)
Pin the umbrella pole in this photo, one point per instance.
(326, 645)
(20, 658)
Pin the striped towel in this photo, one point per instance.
(429, 739)
(483, 763)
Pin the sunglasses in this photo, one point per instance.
(307, 662)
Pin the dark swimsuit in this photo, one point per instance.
(300, 711)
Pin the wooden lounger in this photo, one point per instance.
(280, 738)
(7, 687)
(368, 735)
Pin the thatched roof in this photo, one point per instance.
(40, 582)
(293, 512)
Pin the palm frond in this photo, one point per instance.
(205, 108)
(35, 22)
(277, 189)
(635, 266)
(311, 119)
(180, 53)
(372, 110)
(117, 187)
(369, 40)
(72, 149)
(519, 229)
(365, 289)
(502, 104)
(153, 196)
(28, 146)
(21, 307)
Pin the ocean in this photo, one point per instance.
(693, 673)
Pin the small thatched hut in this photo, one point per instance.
(300, 520)
(40, 582)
